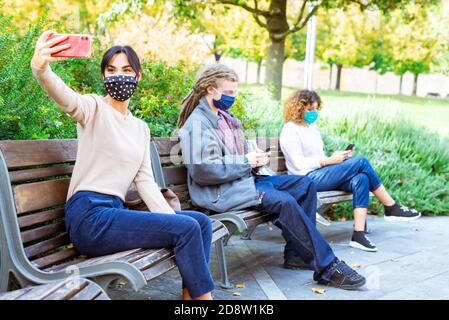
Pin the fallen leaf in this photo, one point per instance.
(70, 246)
(356, 265)
(240, 286)
(318, 290)
(237, 294)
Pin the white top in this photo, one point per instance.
(113, 148)
(302, 147)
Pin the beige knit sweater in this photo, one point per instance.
(113, 149)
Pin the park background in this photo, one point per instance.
(381, 67)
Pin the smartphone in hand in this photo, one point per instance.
(350, 147)
(80, 46)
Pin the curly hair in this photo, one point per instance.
(295, 106)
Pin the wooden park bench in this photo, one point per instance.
(34, 245)
(76, 289)
(170, 172)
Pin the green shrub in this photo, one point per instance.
(26, 112)
(158, 98)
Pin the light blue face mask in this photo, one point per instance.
(310, 116)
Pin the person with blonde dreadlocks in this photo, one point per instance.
(220, 178)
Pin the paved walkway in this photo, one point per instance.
(412, 263)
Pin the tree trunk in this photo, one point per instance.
(415, 84)
(276, 25)
(330, 76)
(217, 55)
(259, 67)
(337, 84)
(246, 71)
(274, 66)
(401, 77)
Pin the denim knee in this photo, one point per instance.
(360, 189)
(204, 222)
(188, 227)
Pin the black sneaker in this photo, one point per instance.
(400, 213)
(361, 241)
(343, 277)
(296, 263)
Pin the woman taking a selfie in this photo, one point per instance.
(302, 146)
(113, 151)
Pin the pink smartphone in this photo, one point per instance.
(81, 46)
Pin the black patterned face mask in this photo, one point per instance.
(120, 87)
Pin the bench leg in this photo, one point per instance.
(23, 282)
(225, 284)
(247, 234)
(231, 229)
(4, 281)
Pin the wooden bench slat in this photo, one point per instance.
(37, 233)
(165, 146)
(39, 173)
(90, 292)
(85, 262)
(159, 268)
(179, 188)
(327, 194)
(15, 295)
(47, 245)
(175, 175)
(171, 160)
(219, 233)
(40, 292)
(26, 153)
(152, 257)
(67, 290)
(54, 258)
(40, 195)
(40, 217)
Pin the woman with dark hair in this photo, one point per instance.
(302, 146)
(113, 152)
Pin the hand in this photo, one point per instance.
(258, 159)
(44, 49)
(338, 157)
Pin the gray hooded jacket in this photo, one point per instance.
(217, 180)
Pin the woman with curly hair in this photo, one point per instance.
(303, 149)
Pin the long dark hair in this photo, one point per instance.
(133, 58)
(211, 76)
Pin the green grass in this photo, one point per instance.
(432, 113)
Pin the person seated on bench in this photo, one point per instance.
(113, 152)
(219, 169)
(302, 146)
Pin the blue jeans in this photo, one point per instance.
(293, 200)
(353, 175)
(100, 224)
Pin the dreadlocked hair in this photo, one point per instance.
(211, 76)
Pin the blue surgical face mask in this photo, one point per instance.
(310, 116)
(224, 103)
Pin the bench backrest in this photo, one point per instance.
(39, 175)
(174, 174)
